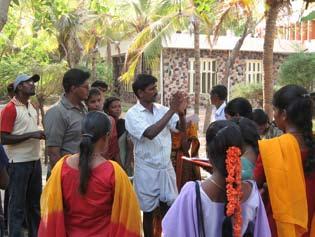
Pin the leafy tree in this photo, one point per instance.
(150, 22)
(252, 92)
(298, 69)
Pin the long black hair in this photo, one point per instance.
(297, 103)
(249, 132)
(95, 125)
(220, 136)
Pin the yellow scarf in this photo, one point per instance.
(281, 157)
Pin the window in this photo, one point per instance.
(254, 71)
(208, 76)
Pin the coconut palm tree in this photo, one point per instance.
(150, 21)
(273, 8)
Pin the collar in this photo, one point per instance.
(15, 101)
(141, 108)
(220, 109)
(66, 103)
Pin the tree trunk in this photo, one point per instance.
(4, 8)
(197, 64)
(231, 60)
(268, 56)
(109, 54)
(208, 114)
(116, 82)
(74, 49)
(41, 101)
(93, 73)
(94, 60)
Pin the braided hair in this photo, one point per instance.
(220, 136)
(297, 103)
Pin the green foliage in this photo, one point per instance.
(41, 35)
(204, 6)
(309, 17)
(99, 6)
(298, 69)
(252, 92)
(104, 72)
(51, 79)
(152, 22)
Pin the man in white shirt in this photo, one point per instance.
(218, 96)
(149, 125)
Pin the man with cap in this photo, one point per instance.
(20, 132)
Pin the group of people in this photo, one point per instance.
(104, 169)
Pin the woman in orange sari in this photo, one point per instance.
(287, 165)
(87, 195)
(185, 144)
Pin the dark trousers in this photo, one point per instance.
(5, 206)
(25, 189)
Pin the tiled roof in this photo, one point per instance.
(186, 41)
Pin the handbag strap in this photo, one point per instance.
(201, 226)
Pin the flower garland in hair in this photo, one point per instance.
(233, 188)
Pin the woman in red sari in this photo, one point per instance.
(87, 195)
(287, 165)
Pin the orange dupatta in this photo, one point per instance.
(191, 133)
(125, 218)
(281, 158)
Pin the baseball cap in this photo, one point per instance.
(24, 77)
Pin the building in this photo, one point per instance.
(176, 69)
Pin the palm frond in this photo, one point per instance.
(148, 43)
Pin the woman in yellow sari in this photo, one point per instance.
(287, 165)
(88, 195)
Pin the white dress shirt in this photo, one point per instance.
(218, 113)
(154, 176)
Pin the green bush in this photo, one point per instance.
(104, 72)
(298, 69)
(252, 92)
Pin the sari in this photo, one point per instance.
(182, 218)
(124, 217)
(185, 171)
(290, 201)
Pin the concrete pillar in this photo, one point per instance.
(297, 31)
(304, 30)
